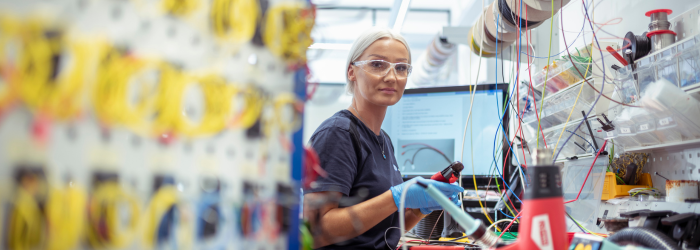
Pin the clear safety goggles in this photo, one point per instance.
(381, 68)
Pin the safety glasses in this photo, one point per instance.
(381, 68)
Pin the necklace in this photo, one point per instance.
(359, 116)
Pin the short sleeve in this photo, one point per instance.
(337, 157)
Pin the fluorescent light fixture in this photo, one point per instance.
(401, 16)
(331, 46)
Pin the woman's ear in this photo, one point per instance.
(351, 74)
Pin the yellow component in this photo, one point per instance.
(104, 222)
(25, 228)
(42, 82)
(235, 20)
(460, 240)
(287, 31)
(475, 46)
(282, 100)
(165, 198)
(65, 218)
(180, 7)
(217, 96)
(116, 74)
(252, 108)
(611, 189)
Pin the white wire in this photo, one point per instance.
(496, 223)
(471, 105)
(402, 218)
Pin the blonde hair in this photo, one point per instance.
(365, 40)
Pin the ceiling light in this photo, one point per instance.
(331, 46)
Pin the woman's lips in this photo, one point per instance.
(388, 90)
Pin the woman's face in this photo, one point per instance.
(380, 90)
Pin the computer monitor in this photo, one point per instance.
(426, 128)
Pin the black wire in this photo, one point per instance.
(413, 159)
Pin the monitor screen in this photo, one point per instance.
(426, 127)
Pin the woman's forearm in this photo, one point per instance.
(413, 216)
(339, 224)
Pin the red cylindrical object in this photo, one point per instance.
(437, 248)
(542, 224)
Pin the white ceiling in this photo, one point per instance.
(422, 4)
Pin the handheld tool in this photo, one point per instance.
(450, 174)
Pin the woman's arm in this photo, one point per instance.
(330, 224)
(413, 216)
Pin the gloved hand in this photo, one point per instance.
(427, 210)
(416, 197)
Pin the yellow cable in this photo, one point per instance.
(235, 20)
(546, 75)
(284, 100)
(572, 111)
(8, 26)
(115, 76)
(252, 109)
(25, 229)
(65, 218)
(217, 96)
(471, 129)
(104, 222)
(180, 7)
(287, 30)
(165, 198)
(588, 66)
(42, 83)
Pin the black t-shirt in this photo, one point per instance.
(355, 167)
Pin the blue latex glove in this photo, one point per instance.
(416, 197)
(428, 210)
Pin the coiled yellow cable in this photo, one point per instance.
(281, 101)
(111, 92)
(104, 229)
(165, 198)
(180, 7)
(65, 218)
(217, 96)
(42, 83)
(252, 109)
(287, 31)
(8, 28)
(25, 229)
(234, 20)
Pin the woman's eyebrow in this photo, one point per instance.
(386, 58)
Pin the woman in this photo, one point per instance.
(356, 204)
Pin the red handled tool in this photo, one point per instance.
(450, 174)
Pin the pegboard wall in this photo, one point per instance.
(151, 124)
(682, 163)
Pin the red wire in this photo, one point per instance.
(508, 227)
(589, 172)
(421, 241)
(528, 60)
(504, 167)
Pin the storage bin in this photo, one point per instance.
(560, 76)
(667, 129)
(646, 73)
(689, 64)
(611, 189)
(645, 124)
(667, 66)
